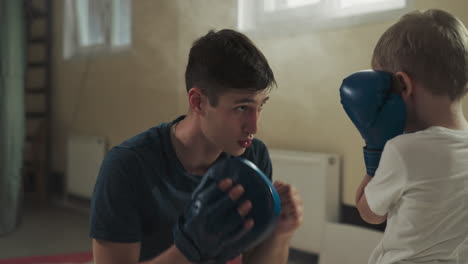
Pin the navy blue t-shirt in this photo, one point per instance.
(142, 188)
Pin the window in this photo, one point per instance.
(92, 26)
(267, 14)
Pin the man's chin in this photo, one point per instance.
(236, 152)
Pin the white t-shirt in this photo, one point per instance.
(422, 184)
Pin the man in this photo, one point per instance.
(145, 183)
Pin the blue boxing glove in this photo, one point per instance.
(211, 229)
(377, 111)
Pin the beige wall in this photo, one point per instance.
(120, 95)
(309, 69)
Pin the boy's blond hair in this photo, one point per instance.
(431, 47)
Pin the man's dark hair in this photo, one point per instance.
(225, 60)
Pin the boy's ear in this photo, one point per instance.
(197, 100)
(404, 85)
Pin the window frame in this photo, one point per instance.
(77, 38)
(320, 16)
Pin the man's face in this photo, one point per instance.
(233, 122)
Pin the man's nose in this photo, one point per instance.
(251, 124)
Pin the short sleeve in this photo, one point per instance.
(388, 183)
(114, 212)
(265, 162)
(260, 156)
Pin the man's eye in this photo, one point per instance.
(241, 108)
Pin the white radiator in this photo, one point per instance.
(84, 158)
(317, 178)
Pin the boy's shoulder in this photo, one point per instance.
(432, 137)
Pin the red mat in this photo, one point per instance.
(75, 258)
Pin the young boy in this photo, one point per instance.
(420, 184)
(145, 183)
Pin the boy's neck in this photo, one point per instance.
(443, 112)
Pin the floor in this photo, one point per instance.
(47, 231)
(60, 230)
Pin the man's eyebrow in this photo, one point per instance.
(249, 100)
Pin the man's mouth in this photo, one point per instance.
(246, 142)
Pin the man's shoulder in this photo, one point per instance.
(149, 137)
(134, 149)
(144, 137)
(257, 148)
(257, 152)
(153, 136)
(258, 143)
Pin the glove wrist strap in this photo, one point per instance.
(185, 244)
(372, 159)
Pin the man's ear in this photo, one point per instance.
(404, 85)
(197, 100)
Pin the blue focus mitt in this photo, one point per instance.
(211, 229)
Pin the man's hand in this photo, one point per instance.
(213, 222)
(221, 222)
(275, 249)
(292, 210)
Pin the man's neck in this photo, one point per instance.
(193, 150)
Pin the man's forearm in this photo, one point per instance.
(170, 256)
(107, 252)
(274, 250)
